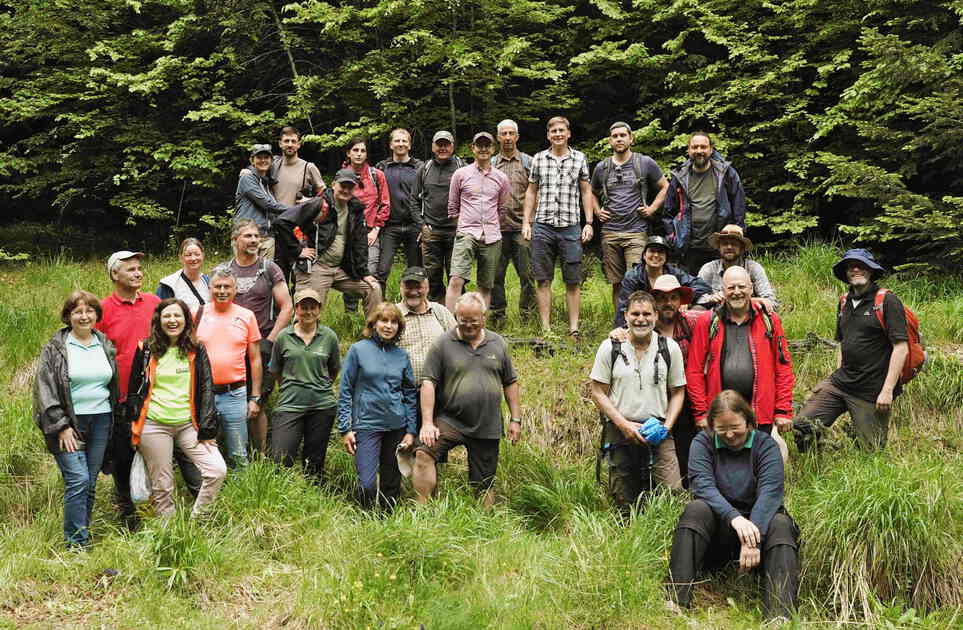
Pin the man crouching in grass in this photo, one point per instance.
(467, 371)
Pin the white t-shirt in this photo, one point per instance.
(633, 389)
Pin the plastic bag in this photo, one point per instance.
(139, 481)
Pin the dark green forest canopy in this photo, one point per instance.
(843, 117)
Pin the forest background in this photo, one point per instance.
(129, 116)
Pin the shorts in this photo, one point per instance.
(620, 252)
(551, 243)
(482, 454)
(466, 250)
(267, 377)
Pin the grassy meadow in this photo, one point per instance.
(882, 534)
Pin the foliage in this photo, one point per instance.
(135, 115)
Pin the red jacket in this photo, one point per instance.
(375, 196)
(772, 390)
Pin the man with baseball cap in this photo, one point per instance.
(871, 357)
(305, 362)
(428, 207)
(425, 321)
(733, 246)
(334, 253)
(477, 196)
(655, 263)
(126, 320)
(254, 200)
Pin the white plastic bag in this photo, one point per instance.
(139, 481)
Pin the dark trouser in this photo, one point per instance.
(378, 475)
(827, 403)
(393, 237)
(122, 455)
(683, 432)
(517, 251)
(289, 428)
(695, 258)
(702, 540)
(436, 248)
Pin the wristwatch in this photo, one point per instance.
(256, 399)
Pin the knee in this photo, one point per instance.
(782, 531)
(697, 511)
(216, 472)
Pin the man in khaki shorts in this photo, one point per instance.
(630, 188)
(477, 195)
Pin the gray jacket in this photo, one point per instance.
(53, 407)
(253, 200)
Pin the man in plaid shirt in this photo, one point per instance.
(559, 183)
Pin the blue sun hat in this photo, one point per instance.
(862, 255)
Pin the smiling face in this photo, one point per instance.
(730, 249)
(172, 321)
(667, 305)
(415, 294)
(343, 191)
(737, 289)
(655, 258)
(400, 144)
(192, 258)
(223, 289)
(129, 276)
(386, 327)
(471, 320)
(858, 275)
(640, 316)
(82, 319)
(442, 149)
(482, 150)
(307, 311)
(558, 135)
(732, 429)
(262, 163)
(248, 240)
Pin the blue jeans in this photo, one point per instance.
(233, 409)
(375, 456)
(80, 470)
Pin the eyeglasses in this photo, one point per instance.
(724, 430)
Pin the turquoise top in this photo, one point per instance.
(90, 375)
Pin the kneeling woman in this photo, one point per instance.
(736, 477)
(376, 407)
(172, 399)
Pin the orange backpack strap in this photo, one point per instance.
(878, 306)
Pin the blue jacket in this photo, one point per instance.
(676, 214)
(253, 200)
(377, 389)
(636, 280)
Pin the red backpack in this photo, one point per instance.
(916, 357)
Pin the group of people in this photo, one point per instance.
(694, 384)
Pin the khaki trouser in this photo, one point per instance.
(157, 446)
(321, 278)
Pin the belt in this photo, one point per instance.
(229, 387)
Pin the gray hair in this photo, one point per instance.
(508, 122)
(472, 297)
(618, 125)
(222, 271)
(240, 225)
(734, 271)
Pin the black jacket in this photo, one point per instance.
(204, 412)
(636, 280)
(53, 407)
(320, 235)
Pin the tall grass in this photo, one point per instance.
(881, 534)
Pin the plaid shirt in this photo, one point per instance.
(421, 330)
(558, 187)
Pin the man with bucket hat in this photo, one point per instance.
(733, 248)
(655, 263)
(871, 357)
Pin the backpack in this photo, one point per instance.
(916, 357)
(636, 161)
(606, 448)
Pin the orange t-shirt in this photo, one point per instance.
(226, 337)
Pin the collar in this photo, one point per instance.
(137, 298)
(478, 168)
(724, 315)
(740, 262)
(257, 261)
(71, 340)
(869, 294)
(456, 335)
(747, 444)
(502, 158)
(403, 307)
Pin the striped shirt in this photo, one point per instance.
(558, 181)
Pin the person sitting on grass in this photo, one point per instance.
(376, 406)
(736, 478)
(75, 396)
(171, 394)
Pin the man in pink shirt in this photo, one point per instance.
(126, 320)
(230, 333)
(477, 195)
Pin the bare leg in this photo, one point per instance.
(543, 295)
(424, 477)
(455, 286)
(573, 300)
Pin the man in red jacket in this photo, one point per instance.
(741, 346)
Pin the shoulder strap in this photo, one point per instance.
(197, 317)
(606, 167)
(616, 353)
(190, 285)
(377, 180)
(642, 184)
(526, 162)
(663, 351)
(713, 324)
(878, 306)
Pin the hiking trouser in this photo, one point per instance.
(378, 475)
(828, 402)
(313, 427)
(701, 540)
(683, 432)
(518, 252)
(436, 248)
(634, 469)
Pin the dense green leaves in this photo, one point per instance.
(842, 116)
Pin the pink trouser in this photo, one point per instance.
(157, 447)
